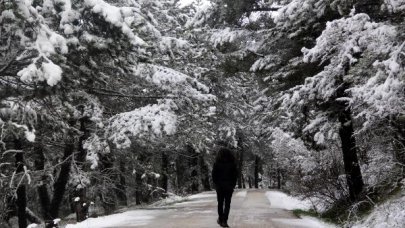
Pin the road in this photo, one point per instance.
(249, 209)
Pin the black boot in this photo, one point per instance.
(224, 224)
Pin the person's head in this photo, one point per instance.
(225, 155)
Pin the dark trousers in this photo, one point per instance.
(224, 204)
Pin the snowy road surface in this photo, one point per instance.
(249, 209)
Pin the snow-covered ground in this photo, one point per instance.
(390, 214)
(283, 201)
(133, 218)
(249, 209)
(305, 221)
(140, 217)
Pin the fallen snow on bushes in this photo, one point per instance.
(281, 200)
(389, 214)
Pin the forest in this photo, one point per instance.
(110, 103)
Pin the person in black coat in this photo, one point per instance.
(224, 176)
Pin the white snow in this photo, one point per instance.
(172, 198)
(56, 221)
(121, 17)
(171, 80)
(7, 14)
(153, 121)
(195, 205)
(227, 35)
(304, 221)
(394, 5)
(194, 202)
(49, 71)
(94, 146)
(390, 214)
(241, 194)
(30, 135)
(52, 73)
(185, 3)
(133, 218)
(284, 201)
(203, 13)
(201, 195)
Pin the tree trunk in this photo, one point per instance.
(32, 217)
(61, 182)
(205, 174)
(278, 179)
(257, 168)
(80, 194)
(121, 186)
(243, 181)
(81, 204)
(165, 167)
(138, 192)
(42, 189)
(106, 165)
(240, 169)
(193, 165)
(21, 191)
(350, 160)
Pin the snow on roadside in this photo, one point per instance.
(304, 221)
(133, 218)
(171, 199)
(389, 214)
(241, 194)
(201, 195)
(281, 200)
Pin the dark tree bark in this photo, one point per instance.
(106, 166)
(32, 217)
(21, 189)
(278, 178)
(42, 189)
(81, 205)
(61, 182)
(138, 192)
(239, 158)
(205, 174)
(243, 181)
(165, 167)
(257, 169)
(193, 165)
(240, 169)
(351, 163)
(138, 180)
(121, 185)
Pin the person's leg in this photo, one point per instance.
(228, 197)
(220, 199)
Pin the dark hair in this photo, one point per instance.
(225, 155)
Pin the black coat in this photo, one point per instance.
(224, 175)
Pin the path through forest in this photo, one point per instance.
(249, 209)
